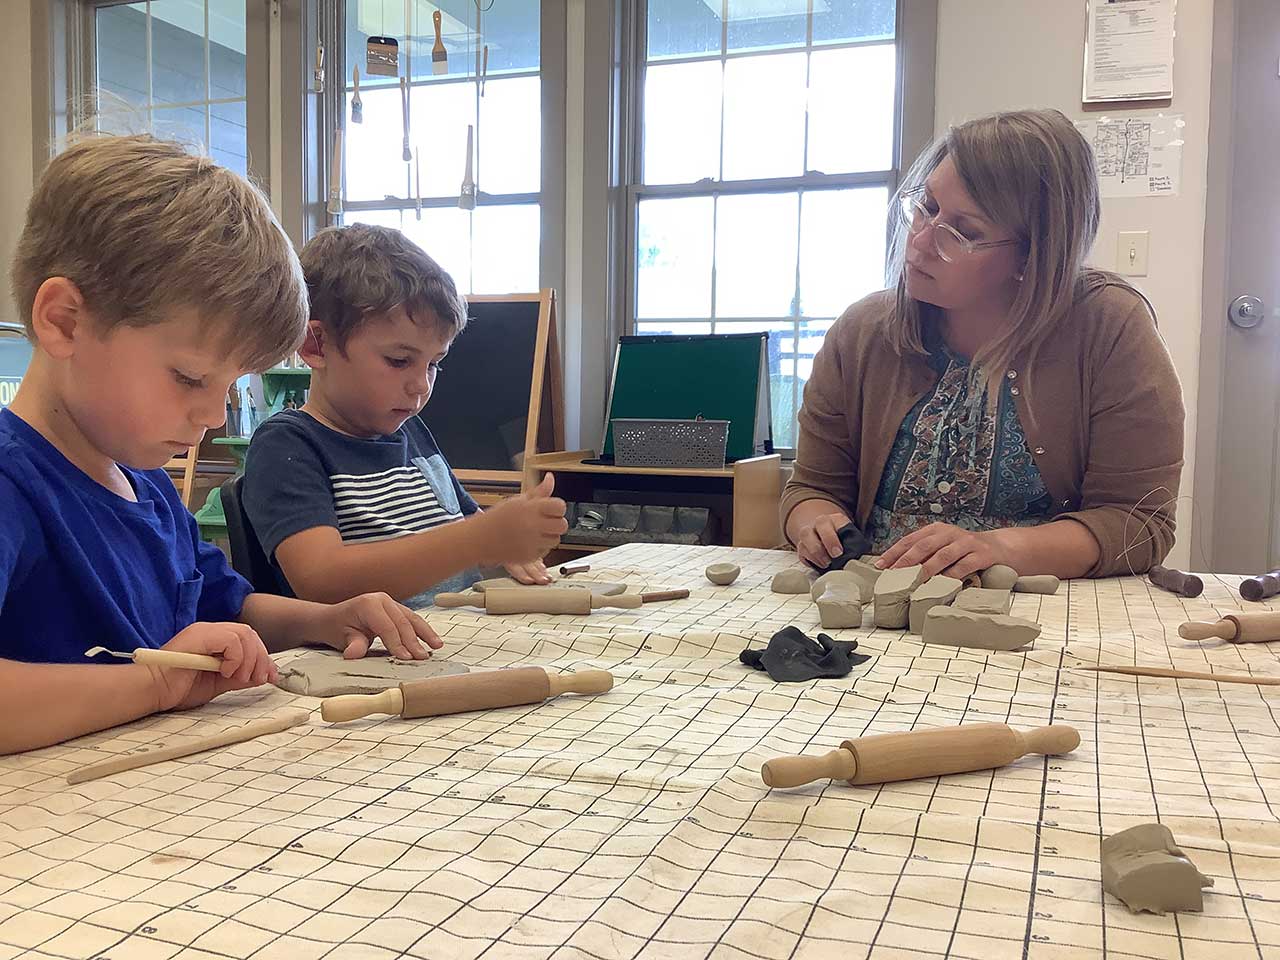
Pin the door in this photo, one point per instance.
(1242, 473)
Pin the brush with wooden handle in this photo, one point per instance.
(438, 696)
(164, 658)
(571, 600)
(1236, 627)
(889, 757)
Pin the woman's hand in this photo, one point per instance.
(816, 539)
(943, 548)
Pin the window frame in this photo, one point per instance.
(915, 36)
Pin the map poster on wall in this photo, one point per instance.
(1136, 156)
(1128, 50)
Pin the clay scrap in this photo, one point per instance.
(892, 596)
(790, 581)
(1046, 584)
(597, 589)
(1143, 868)
(840, 609)
(843, 581)
(982, 600)
(999, 577)
(953, 627)
(936, 591)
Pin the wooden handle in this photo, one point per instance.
(1196, 630)
(620, 601)
(583, 681)
(1260, 588)
(1050, 741)
(255, 728)
(458, 599)
(353, 706)
(1175, 581)
(794, 771)
(439, 44)
(176, 658)
(1187, 675)
(1255, 627)
(656, 595)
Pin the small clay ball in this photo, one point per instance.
(723, 574)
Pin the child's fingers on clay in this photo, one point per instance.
(400, 632)
(424, 631)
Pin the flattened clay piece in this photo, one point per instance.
(980, 631)
(1046, 584)
(838, 610)
(999, 577)
(1143, 868)
(845, 582)
(893, 596)
(325, 673)
(723, 574)
(934, 592)
(981, 600)
(790, 581)
(597, 589)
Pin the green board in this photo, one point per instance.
(663, 377)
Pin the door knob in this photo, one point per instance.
(1245, 312)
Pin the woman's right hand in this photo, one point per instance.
(816, 538)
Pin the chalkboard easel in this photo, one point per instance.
(500, 398)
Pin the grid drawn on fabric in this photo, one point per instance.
(635, 824)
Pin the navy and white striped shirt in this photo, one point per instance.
(301, 474)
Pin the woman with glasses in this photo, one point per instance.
(1001, 402)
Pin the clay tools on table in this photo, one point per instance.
(164, 658)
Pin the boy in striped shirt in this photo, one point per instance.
(351, 490)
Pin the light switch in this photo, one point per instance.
(1131, 255)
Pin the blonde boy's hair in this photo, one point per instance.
(361, 271)
(143, 227)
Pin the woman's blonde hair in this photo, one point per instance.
(144, 226)
(1031, 172)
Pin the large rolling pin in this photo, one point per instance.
(468, 691)
(550, 599)
(888, 757)
(1236, 627)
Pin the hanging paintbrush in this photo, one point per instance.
(382, 57)
(335, 176)
(467, 195)
(405, 153)
(318, 76)
(417, 187)
(484, 68)
(357, 107)
(439, 55)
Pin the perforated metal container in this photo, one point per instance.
(670, 443)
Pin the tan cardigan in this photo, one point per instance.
(1101, 409)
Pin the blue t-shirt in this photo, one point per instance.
(82, 567)
(301, 474)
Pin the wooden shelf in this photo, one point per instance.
(572, 462)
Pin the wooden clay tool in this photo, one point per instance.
(551, 599)
(1260, 588)
(1236, 627)
(256, 728)
(164, 658)
(1187, 675)
(889, 757)
(438, 696)
(1175, 581)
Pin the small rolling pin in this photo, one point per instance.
(469, 691)
(1260, 588)
(889, 757)
(1236, 627)
(1175, 581)
(550, 599)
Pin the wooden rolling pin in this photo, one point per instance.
(468, 691)
(131, 761)
(889, 757)
(1175, 581)
(1260, 588)
(1236, 627)
(550, 599)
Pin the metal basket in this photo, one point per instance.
(670, 443)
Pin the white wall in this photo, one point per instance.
(1009, 54)
(15, 144)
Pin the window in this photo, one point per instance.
(766, 161)
(176, 67)
(495, 247)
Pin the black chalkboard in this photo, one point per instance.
(479, 410)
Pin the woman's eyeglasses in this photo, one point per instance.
(949, 242)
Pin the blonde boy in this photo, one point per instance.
(148, 280)
(351, 492)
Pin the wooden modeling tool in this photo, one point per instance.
(438, 696)
(357, 105)
(1187, 675)
(335, 176)
(1260, 588)
(890, 757)
(571, 568)
(1175, 581)
(467, 193)
(439, 55)
(405, 153)
(572, 600)
(1236, 627)
(255, 728)
(164, 658)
